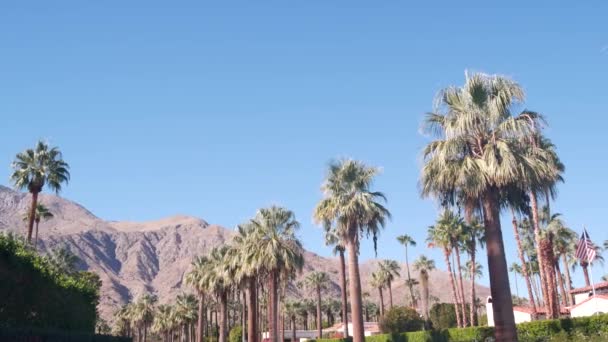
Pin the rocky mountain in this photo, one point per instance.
(136, 257)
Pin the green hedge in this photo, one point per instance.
(594, 328)
(28, 335)
(36, 294)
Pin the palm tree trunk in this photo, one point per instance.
(425, 296)
(273, 322)
(319, 318)
(390, 294)
(446, 253)
(547, 250)
(36, 238)
(473, 275)
(355, 286)
(560, 280)
(293, 328)
(381, 302)
(201, 319)
(223, 316)
(584, 265)
(524, 267)
(343, 293)
(502, 307)
(568, 280)
(409, 280)
(464, 302)
(32, 217)
(541, 260)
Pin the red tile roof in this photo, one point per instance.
(539, 310)
(602, 285)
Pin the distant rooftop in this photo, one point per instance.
(602, 285)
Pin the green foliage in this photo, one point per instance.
(443, 316)
(236, 334)
(36, 294)
(348, 339)
(401, 319)
(469, 334)
(55, 336)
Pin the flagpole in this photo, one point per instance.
(593, 287)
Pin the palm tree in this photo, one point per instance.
(317, 281)
(406, 241)
(473, 235)
(162, 321)
(378, 281)
(478, 135)
(563, 240)
(291, 310)
(391, 269)
(278, 252)
(331, 239)
(515, 269)
(42, 213)
(187, 307)
(517, 202)
(353, 210)
(424, 265)
(440, 235)
(197, 279)
(143, 314)
(35, 168)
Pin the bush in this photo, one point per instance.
(442, 316)
(401, 319)
(27, 335)
(469, 334)
(236, 334)
(37, 294)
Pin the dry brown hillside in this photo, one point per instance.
(136, 257)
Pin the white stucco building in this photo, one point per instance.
(585, 304)
(522, 313)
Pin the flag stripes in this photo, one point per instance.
(585, 249)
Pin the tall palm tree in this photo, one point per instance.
(292, 309)
(378, 281)
(42, 213)
(563, 240)
(35, 168)
(424, 265)
(477, 134)
(143, 314)
(406, 241)
(353, 210)
(247, 274)
(197, 279)
(440, 235)
(317, 282)
(515, 268)
(391, 269)
(473, 235)
(331, 239)
(278, 251)
(516, 204)
(162, 321)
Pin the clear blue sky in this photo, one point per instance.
(166, 108)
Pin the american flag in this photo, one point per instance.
(585, 250)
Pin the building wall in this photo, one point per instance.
(521, 317)
(590, 307)
(579, 297)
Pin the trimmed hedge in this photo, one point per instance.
(38, 335)
(594, 328)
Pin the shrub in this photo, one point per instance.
(401, 319)
(442, 316)
(236, 334)
(37, 294)
(469, 334)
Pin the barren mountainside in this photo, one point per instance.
(136, 257)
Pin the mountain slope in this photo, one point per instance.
(136, 257)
